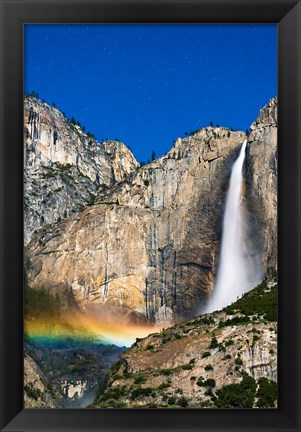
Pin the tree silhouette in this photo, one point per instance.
(153, 155)
(34, 94)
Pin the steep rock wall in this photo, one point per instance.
(64, 167)
(148, 246)
(262, 182)
(38, 392)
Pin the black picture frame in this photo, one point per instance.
(14, 13)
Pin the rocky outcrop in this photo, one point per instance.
(66, 373)
(196, 363)
(38, 392)
(146, 249)
(65, 168)
(262, 182)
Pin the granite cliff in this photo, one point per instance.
(38, 392)
(65, 168)
(65, 373)
(145, 246)
(262, 182)
(225, 359)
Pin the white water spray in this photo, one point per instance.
(237, 272)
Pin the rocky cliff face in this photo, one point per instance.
(262, 181)
(147, 247)
(64, 374)
(65, 168)
(38, 392)
(225, 359)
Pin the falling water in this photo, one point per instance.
(237, 271)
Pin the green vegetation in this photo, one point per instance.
(221, 347)
(261, 301)
(146, 391)
(209, 367)
(34, 94)
(177, 336)
(204, 321)
(140, 379)
(194, 132)
(188, 366)
(166, 372)
(210, 382)
(200, 382)
(63, 167)
(51, 390)
(229, 342)
(40, 303)
(243, 395)
(113, 393)
(238, 361)
(47, 175)
(240, 395)
(164, 386)
(227, 357)
(115, 367)
(214, 343)
(255, 339)
(266, 393)
(183, 402)
(33, 393)
(237, 320)
(171, 400)
(257, 306)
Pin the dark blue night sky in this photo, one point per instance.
(149, 84)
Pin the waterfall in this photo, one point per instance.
(237, 271)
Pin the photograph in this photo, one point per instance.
(150, 216)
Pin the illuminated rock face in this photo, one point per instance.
(38, 393)
(187, 365)
(262, 180)
(146, 247)
(65, 168)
